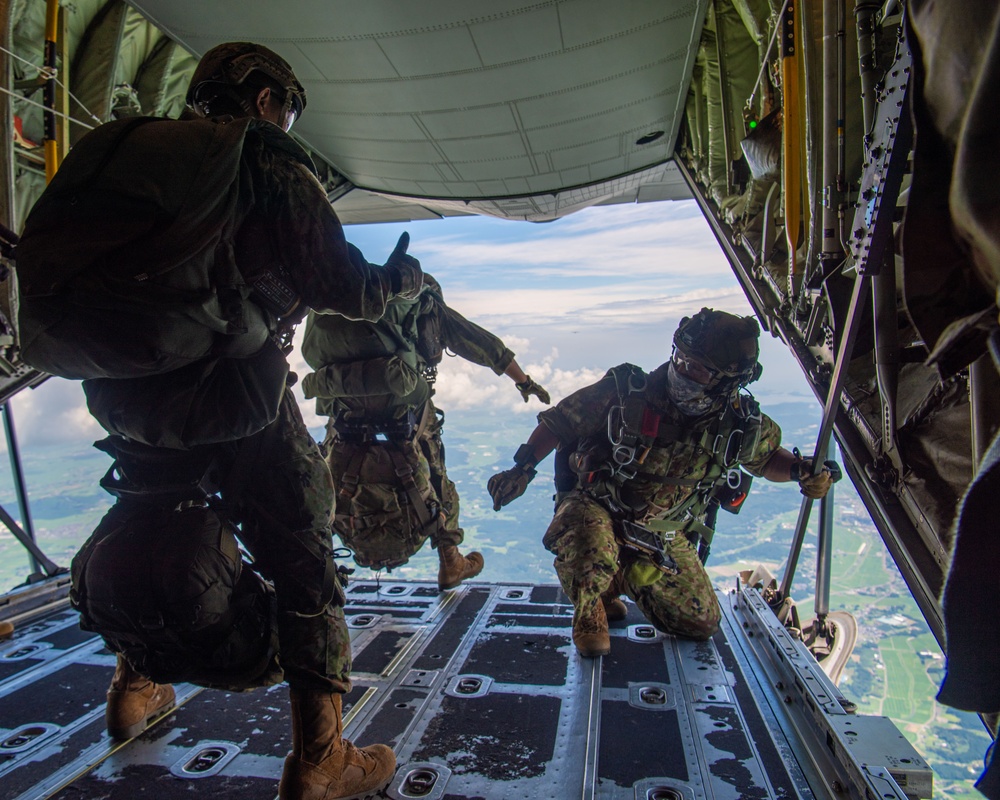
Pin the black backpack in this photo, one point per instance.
(169, 590)
(126, 265)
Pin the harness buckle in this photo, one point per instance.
(623, 455)
(623, 452)
(727, 457)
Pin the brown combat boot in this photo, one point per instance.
(325, 766)
(590, 631)
(455, 567)
(614, 608)
(133, 700)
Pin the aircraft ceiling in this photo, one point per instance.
(514, 109)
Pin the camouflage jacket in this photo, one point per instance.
(580, 421)
(306, 236)
(441, 328)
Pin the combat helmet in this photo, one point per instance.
(229, 67)
(726, 344)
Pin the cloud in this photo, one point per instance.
(464, 385)
(54, 412)
(601, 307)
(571, 298)
(609, 245)
(298, 365)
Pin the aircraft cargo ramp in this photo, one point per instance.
(482, 695)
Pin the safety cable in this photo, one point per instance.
(767, 54)
(43, 72)
(18, 96)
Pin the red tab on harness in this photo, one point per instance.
(650, 423)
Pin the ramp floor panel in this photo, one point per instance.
(479, 691)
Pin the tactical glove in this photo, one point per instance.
(816, 486)
(509, 485)
(405, 276)
(529, 387)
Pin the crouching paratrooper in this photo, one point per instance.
(641, 459)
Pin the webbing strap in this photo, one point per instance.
(352, 474)
(678, 517)
(665, 525)
(362, 522)
(425, 421)
(405, 475)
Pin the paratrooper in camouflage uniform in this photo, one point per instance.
(375, 381)
(274, 483)
(685, 408)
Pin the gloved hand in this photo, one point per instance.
(814, 486)
(529, 387)
(509, 485)
(406, 277)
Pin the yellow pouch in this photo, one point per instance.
(643, 573)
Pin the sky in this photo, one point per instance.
(571, 298)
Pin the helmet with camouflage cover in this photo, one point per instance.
(724, 343)
(234, 72)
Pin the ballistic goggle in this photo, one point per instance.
(235, 72)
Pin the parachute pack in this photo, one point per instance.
(169, 590)
(127, 267)
(387, 507)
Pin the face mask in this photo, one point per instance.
(688, 395)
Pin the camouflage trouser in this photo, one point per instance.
(281, 492)
(588, 558)
(432, 446)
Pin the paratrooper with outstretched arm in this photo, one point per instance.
(375, 381)
(640, 458)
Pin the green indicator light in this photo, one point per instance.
(753, 124)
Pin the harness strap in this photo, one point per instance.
(425, 420)
(361, 522)
(405, 475)
(354, 522)
(678, 517)
(352, 474)
(693, 525)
